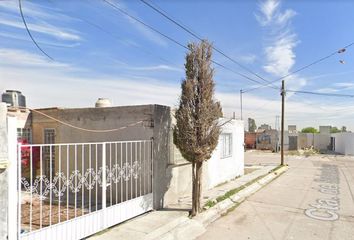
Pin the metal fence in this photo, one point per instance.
(81, 188)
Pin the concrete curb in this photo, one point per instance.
(187, 228)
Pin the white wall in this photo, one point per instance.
(322, 141)
(215, 171)
(344, 143)
(219, 169)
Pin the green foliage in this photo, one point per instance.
(335, 130)
(210, 203)
(251, 125)
(230, 193)
(309, 130)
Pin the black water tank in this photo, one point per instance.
(14, 98)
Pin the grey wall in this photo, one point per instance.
(156, 124)
(322, 141)
(96, 118)
(162, 147)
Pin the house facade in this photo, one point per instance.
(250, 140)
(172, 174)
(267, 139)
(226, 163)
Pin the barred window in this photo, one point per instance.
(49, 152)
(226, 145)
(24, 134)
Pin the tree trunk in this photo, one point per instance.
(194, 191)
(199, 170)
(197, 187)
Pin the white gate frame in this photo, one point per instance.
(78, 227)
(13, 201)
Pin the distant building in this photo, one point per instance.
(16, 106)
(267, 139)
(14, 98)
(250, 140)
(292, 129)
(265, 127)
(325, 129)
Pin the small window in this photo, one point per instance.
(49, 152)
(226, 145)
(24, 134)
(49, 136)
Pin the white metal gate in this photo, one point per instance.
(71, 191)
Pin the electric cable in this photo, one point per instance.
(29, 32)
(175, 41)
(84, 129)
(164, 14)
(304, 67)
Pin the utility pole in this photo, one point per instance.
(282, 122)
(241, 101)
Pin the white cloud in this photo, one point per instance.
(327, 90)
(37, 18)
(248, 58)
(41, 42)
(19, 58)
(48, 84)
(283, 18)
(156, 68)
(346, 85)
(34, 10)
(44, 28)
(280, 55)
(280, 42)
(268, 10)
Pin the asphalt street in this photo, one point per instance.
(312, 200)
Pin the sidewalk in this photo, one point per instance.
(174, 223)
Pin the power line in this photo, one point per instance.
(122, 41)
(112, 35)
(322, 94)
(84, 129)
(143, 23)
(164, 14)
(29, 32)
(304, 67)
(173, 40)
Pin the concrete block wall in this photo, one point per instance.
(162, 144)
(322, 141)
(305, 140)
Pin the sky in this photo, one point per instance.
(99, 52)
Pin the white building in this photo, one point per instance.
(344, 143)
(226, 163)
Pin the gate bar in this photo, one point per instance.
(13, 215)
(104, 184)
